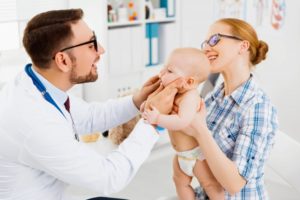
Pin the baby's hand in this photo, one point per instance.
(151, 115)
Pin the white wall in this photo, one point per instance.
(279, 74)
(95, 16)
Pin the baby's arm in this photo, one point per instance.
(186, 111)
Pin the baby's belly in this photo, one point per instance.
(181, 141)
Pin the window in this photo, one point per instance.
(9, 36)
(14, 15)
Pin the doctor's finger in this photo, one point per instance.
(178, 83)
(152, 80)
(158, 90)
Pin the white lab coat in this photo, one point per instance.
(39, 155)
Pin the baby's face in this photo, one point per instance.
(169, 74)
(188, 63)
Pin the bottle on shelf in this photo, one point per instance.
(112, 16)
(122, 13)
(132, 14)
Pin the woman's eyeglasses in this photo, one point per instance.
(94, 41)
(214, 39)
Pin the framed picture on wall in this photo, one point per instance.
(230, 8)
(258, 13)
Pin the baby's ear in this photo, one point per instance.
(190, 81)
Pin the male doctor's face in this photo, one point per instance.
(84, 57)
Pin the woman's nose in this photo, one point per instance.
(205, 47)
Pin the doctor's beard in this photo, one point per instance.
(74, 78)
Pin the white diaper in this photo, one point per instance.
(187, 160)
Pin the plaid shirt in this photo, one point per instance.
(243, 124)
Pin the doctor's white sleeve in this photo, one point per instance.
(51, 150)
(96, 116)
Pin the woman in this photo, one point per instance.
(236, 130)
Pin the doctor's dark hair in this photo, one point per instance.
(47, 33)
(258, 48)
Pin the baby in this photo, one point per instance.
(193, 66)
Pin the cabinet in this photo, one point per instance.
(137, 49)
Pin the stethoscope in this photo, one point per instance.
(42, 89)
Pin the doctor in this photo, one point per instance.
(39, 123)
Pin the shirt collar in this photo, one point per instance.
(240, 95)
(58, 95)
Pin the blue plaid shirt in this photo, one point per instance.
(243, 124)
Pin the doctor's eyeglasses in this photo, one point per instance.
(94, 41)
(214, 39)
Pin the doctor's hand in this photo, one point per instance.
(163, 98)
(149, 87)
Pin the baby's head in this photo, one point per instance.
(189, 63)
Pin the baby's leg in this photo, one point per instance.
(182, 182)
(207, 180)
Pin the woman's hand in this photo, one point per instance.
(198, 124)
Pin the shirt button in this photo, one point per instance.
(213, 123)
(252, 157)
(229, 136)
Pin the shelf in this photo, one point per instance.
(132, 45)
(139, 22)
(122, 24)
(165, 20)
(158, 66)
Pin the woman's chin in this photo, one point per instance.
(214, 69)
